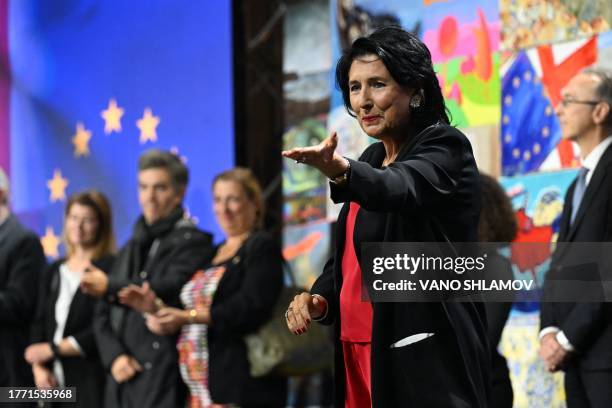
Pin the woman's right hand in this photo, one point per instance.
(43, 377)
(322, 156)
(302, 310)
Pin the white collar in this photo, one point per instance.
(592, 159)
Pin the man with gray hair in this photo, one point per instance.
(577, 337)
(21, 262)
(164, 251)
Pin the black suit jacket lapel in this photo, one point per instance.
(566, 213)
(591, 190)
(76, 306)
(51, 295)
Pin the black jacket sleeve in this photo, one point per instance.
(430, 173)
(324, 286)
(109, 345)
(547, 311)
(18, 297)
(86, 337)
(193, 250)
(44, 311)
(184, 261)
(248, 308)
(87, 341)
(584, 324)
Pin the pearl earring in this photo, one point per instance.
(415, 102)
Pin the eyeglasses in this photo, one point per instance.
(566, 101)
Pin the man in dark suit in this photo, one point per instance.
(164, 251)
(21, 262)
(577, 337)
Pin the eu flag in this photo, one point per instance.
(95, 83)
(530, 129)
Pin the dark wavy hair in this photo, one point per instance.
(408, 61)
(497, 219)
(172, 163)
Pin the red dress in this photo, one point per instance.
(355, 323)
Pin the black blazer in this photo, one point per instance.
(84, 372)
(434, 177)
(21, 262)
(121, 330)
(243, 302)
(497, 316)
(588, 326)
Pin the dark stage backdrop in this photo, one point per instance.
(95, 83)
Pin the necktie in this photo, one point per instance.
(578, 191)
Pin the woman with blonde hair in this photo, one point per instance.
(63, 350)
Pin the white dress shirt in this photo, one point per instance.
(68, 285)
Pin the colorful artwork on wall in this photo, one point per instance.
(532, 384)
(538, 201)
(306, 248)
(535, 22)
(463, 40)
(531, 90)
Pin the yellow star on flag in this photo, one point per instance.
(57, 186)
(148, 125)
(81, 140)
(112, 117)
(50, 243)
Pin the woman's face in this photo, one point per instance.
(81, 226)
(235, 212)
(382, 105)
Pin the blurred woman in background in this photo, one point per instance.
(63, 350)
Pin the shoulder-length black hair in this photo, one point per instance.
(408, 61)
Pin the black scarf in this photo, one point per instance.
(145, 235)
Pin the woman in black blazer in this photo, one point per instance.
(228, 299)
(418, 184)
(63, 350)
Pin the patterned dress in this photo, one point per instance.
(192, 345)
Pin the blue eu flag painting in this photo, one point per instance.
(530, 129)
(93, 84)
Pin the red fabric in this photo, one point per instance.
(355, 315)
(358, 392)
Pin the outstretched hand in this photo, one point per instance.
(322, 156)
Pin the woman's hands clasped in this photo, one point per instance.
(167, 320)
(302, 310)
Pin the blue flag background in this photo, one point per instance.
(530, 129)
(167, 68)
